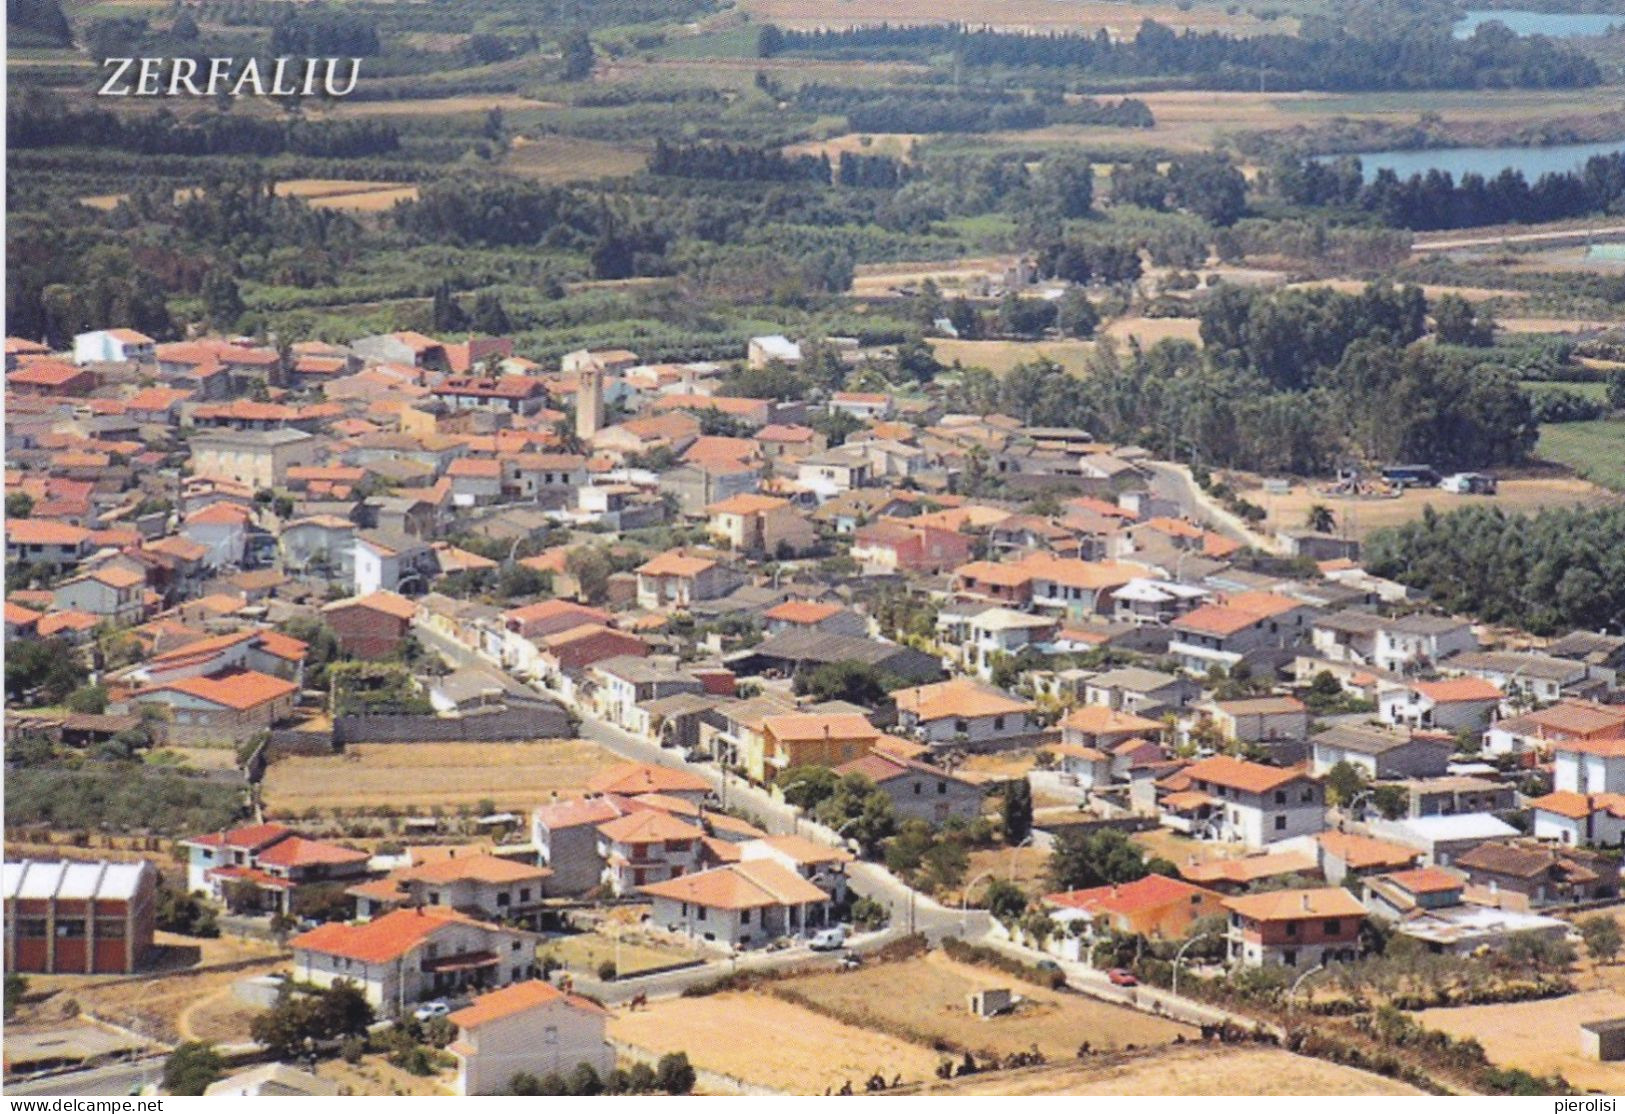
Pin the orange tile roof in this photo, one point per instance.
(1074, 573)
(1460, 689)
(1425, 880)
(1088, 754)
(674, 563)
(1154, 891)
(802, 611)
(958, 697)
(1578, 806)
(474, 868)
(202, 648)
(220, 514)
(809, 726)
(648, 826)
(385, 938)
(1297, 905)
(296, 851)
(58, 621)
(1097, 719)
(639, 777)
(35, 531)
(1363, 852)
(755, 884)
(989, 572)
(240, 690)
(390, 603)
(515, 999)
(18, 615)
(1237, 773)
(747, 503)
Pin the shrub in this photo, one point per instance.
(191, 1068)
(674, 1074)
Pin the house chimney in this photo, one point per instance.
(1306, 903)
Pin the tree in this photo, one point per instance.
(49, 666)
(1084, 860)
(1076, 315)
(1005, 900)
(807, 787)
(1017, 811)
(16, 987)
(1320, 519)
(591, 567)
(674, 1074)
(1455, 321)
(578, 56)
(222, 300)
(1602, 936)
(1616, 389)
(88, 700)
(19, 504)
(191, 1068)
(1068, 182)
(490, 317)
(584, 1081)
(1343, 783)
(445, 315)
(851, 681)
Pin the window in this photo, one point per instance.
(434, 898)
(918, 789)
(1280, 796)
(1290, 957)
(744, 916)
(504, 899)
(700, 915)
(110, 929)
(524, 893)
(1332, 927)
(1280, 823)
(1308, 794)
(942, 788)
(70, 929)
(432, 951)
(515, 946)
(1291, 928)
(998, 723)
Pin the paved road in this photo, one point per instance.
(909, 909)
(114, 1079)
(1569, 235)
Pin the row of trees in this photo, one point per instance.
(1338, 60)
(938, 110)
(1436, 199)
(42, 121)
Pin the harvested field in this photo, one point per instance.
(1149, 330)
(1186, 1070)
(1165, 844)
(899, 145)
(221, 1018)
(321, 193)
(1359, 517)
(423, 775)
(1030, 864)
(562, 158)
(925, 999)
(438, 106)
(769, 1042)
(999, 356)
(881, 280)
(366, 201)
(1012, 15)
(375, 1075)
(1541, 1037)
(1549, 325)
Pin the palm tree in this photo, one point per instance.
(1320, 519)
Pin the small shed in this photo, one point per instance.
(990, 1002)
(1603, 1039)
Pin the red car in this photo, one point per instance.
(1119, 977)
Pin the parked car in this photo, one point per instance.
(1119, 977)
(431, 1010)
(829, 939)
(1048, 965)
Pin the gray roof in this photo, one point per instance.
(682, 704)
(1351, 622)
(799, 645)
(1370, 740)
(1423, 624)
(260, 438)
(640, 671)
(1538, 666)
(1134, 679)
(33, 879)
(1587, 644)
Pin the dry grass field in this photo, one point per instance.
(437, 106)
(1193, 1069)
(1149, 330)
(1361, 516)
(321, 193)
(1010, 15)
(584, 951)
(422, 775)
(1541, 1037)
(562, 158)
(770, 1042)
(925, 997)
(879, 280)
(899, 145)
(999, 356)
(995, 862)
(188, 973)
(375, 1075)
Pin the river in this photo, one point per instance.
(1556, 25)
(1488, 161)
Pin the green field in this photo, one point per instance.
(1595, 450)
(1597, 391)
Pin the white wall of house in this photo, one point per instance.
(553, 1037)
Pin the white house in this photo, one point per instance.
(113, 346)
(530, 1027)
(981, 633)
(1464, 703)
(739, 905)
(1382, 753)
(1247, 802)
(1580, 819)
(963, 710)
(1420, 640)
(1589, 766)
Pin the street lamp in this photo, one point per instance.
(964, 900)
(1013, 850)
(1293, 993)
(1179, 956)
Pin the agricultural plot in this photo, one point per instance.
(425, 775)
(1541, 1036)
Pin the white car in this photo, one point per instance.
(431, 1010)
(829, 939)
